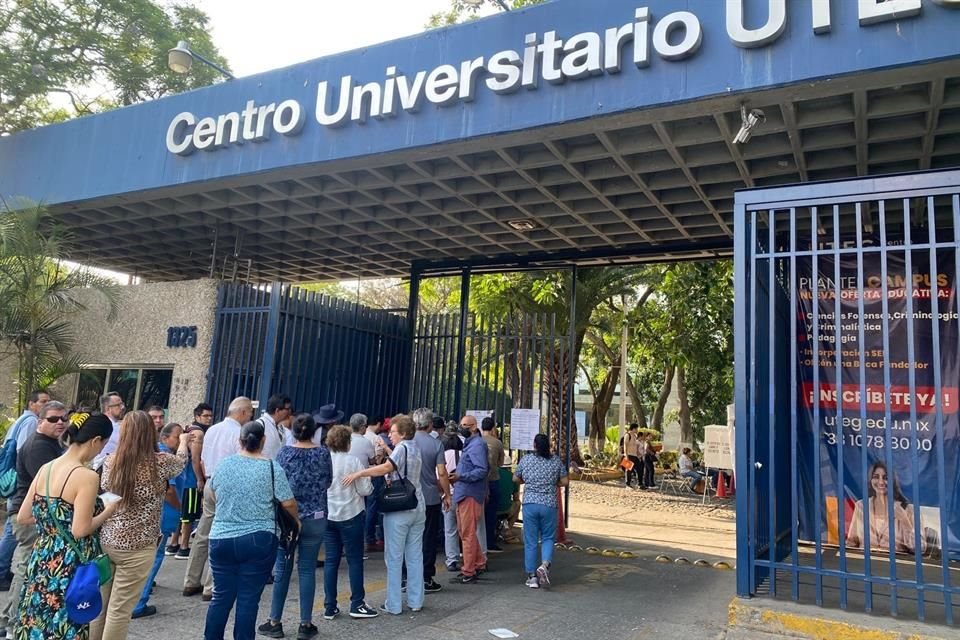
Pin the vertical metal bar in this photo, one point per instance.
(571, 371)
(326, 339)
(771, 398)
(753, 524)
(309, 398)
(270, 346)
(413, 311)
(838, 382)
(469, 345)
(861, 349)
(912, 381)
(442, 368)
(300, 372)
(216, 346)
(944, 541)
(888, 414)
(536, 353)
(420, 373)
(794, 499)
(249, 326)
(934, 270)
(742, 329)
(464, 310)
(816, 427)
(555, 366)
(480, 335)
(499, 399)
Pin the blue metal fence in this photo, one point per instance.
(847, 435)
(312, 347)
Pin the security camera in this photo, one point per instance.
(749, 122)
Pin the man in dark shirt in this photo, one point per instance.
(42, 447)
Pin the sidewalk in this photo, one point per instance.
(592, 597)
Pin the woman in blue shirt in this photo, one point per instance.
(310, 470)
(542, 473)
(243, 539)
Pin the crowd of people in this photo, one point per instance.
(112, 493)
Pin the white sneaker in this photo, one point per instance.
(543, 574)
(533, 583)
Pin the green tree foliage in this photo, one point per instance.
(460, 11)
(685, 338)
(97, 54)
(38, 294)
(549, 292)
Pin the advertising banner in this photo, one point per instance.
(862, 398)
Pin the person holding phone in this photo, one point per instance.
(139, 473)
(62, 501)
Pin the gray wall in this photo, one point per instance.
(138, 337)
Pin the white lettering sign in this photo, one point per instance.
(549, 57)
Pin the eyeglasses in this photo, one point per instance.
(466, 424)
(113, 406)
(206, 416)
(56, 419)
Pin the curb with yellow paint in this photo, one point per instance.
(815, 625)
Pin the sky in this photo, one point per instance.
(277, 33)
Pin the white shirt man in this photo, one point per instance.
(222, 440)
(112, 406)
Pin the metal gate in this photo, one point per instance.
(847, 435)
(312, 347)
(494, 363)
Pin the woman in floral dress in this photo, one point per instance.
(63, 491)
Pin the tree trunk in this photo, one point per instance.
(662, 399)
(686, 432)
(560, 411)
(592, 439)
(598, 414)
(637, 403)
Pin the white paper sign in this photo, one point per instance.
(717, 450)
(524, 427)
(479, 414)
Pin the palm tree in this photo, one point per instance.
(38, 293)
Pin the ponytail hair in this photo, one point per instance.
(304, 427)
(251, 436)
(541, 445)
(83, 427)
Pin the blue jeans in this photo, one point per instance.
(240, 569)
(157, 561)
(372, 522)
(8, 544)
(346, 535)
(694, 476)
(403, 545)
(539, 526)
(308, 548)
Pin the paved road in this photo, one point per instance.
(592, 597)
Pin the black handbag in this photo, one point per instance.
(288, 528)
(400, 495)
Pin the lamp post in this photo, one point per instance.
(477, 3)
(180, 60)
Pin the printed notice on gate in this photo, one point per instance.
(717, 452)
(480, 414)
(524, 427)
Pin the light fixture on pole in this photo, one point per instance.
(748, 123)
(180, 60)
(477, 3)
